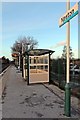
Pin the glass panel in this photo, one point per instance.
(38, 64)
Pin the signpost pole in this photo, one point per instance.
(79, 30)
(65, 19)
(67, 86)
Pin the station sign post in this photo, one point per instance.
(79, 30)
(66, 19)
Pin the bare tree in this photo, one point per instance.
(17, 46)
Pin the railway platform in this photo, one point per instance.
(20, 100)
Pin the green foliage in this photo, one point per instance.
(64, 54)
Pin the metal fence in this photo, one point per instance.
(58, 76)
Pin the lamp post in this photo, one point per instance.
(24, 60)
(22, 51)
(19, 60)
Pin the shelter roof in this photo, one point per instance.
(35, 52)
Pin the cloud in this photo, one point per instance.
(61, 43)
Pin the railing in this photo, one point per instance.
(60, 80)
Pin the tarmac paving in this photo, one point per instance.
(20, 100)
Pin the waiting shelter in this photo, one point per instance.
(38, 65)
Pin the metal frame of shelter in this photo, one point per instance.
(38, 65)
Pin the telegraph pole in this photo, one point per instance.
(67, 86)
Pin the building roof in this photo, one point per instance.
(39, 52)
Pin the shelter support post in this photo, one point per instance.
(27, 69)
(49, 70)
